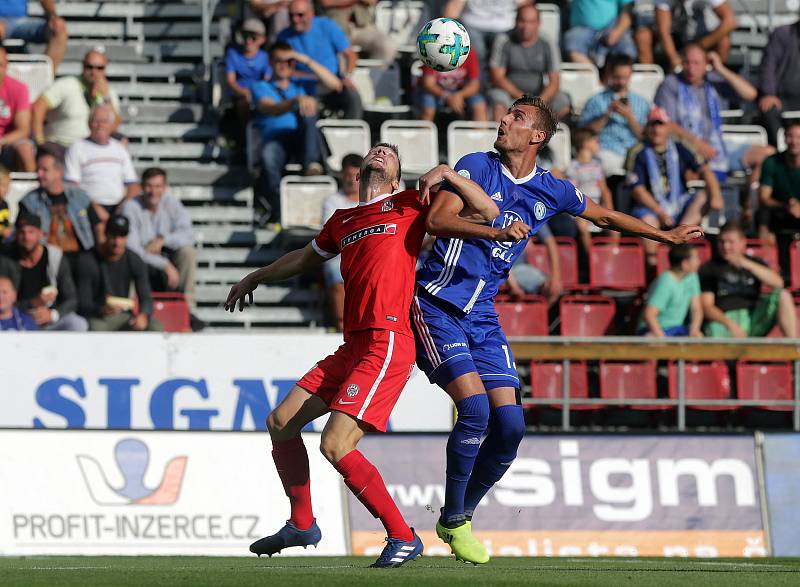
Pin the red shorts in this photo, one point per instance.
(365, 376)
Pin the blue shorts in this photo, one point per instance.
(735, 152)
(450, 344)
(332, 271)
(31, 30)
(427, 100)
(589, 42)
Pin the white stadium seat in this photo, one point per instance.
(744, 134)
(468, 137)
(550, 22)
(580, 81)
(35, 71)
(645, 80)
(343, 137)
(302, 198)
(781, 139)
(417, 141)
(561, 146)
(21, 184)
(401, 21)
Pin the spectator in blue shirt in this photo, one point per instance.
(11, 317)
(657, 176)
(616, 114)
(599, 28)
(320, 38)
(286, 117)
(15, 24)
(246, 62)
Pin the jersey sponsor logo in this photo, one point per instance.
(464, 173)
(365, 232)
(453, 345)
(387, 206)
(473, 440)
(539, 210)
(497, 196)
(391, 318)
(352, 390)
(501, 250)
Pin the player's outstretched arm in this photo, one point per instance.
(289, 265)
(444, 220)
(613, 220)
(475, 198)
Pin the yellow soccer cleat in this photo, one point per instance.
(464, 545)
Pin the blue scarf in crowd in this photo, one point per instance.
(690, 116)
(16, 316)
(674, 200)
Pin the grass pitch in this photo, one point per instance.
(353, 571)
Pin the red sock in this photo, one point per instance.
(363, 479)
(291, 461)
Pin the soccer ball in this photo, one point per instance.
(443, 44)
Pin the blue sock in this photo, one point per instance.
(498, 451)
(462, 448)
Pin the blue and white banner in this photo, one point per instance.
(782, 479)
(147, 381)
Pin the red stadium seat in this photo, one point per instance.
(171, 309)
(567, 257)
(587, 315)
(630, 381)
(547, 383)
(794, 265)
(765, 381)
(702, 381)
(524, 318)
(703, 250)
(616, 265)
(765, 251)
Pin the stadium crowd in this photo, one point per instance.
(665, 159)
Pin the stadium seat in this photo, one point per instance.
(561, 146)
(342, 137)
(418, 142)
(744, 134)
(765, 381)
(547, 382)
(586, 315)
(645, 80)
(764, 250)
(302, 198)
(781, 143)
(616, 265)
(703, 250)
(524, 318)
(630, 381)
(567, 257)
(35, 71)
(550, 23)
(702, 381)
(580, 81)
(401, 21)
(468, 137)
(171, 309)
(794, 266)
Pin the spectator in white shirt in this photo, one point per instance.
(161, 234)
(346, 197)
(101, 165)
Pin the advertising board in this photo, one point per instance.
(782, 480)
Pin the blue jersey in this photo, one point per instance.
(468, 272)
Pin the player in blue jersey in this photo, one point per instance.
(460, 344)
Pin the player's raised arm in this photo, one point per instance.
(613, 220)
(475, 198)
(444, 220)
(289, 265)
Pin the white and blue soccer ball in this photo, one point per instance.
(443, 44)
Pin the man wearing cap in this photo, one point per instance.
(657, 175)
(246, 62)
(104, 293)
(45, 290)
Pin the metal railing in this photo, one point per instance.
(681, 350)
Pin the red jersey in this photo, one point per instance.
(453, 81)
(379, 242)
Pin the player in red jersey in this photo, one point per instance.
(360, 383)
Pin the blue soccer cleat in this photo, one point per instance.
(287, 536)
(397, 552)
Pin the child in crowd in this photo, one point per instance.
(246, 63)
(586, 172)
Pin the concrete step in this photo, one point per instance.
(173, 151)
(259, 315)
(132, 72)
(181, 49)
(221, 214)
(116, 52)
(199, 194)
(183, 131)
(222, 235)
(139, 112)
(217, 294)
(221, 275)
(245, 256)
(111, 10)
(156, 91)
(194, 173)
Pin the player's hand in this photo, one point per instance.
(241, 293)
(684, 233)
(513, 233)
(431, 180)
